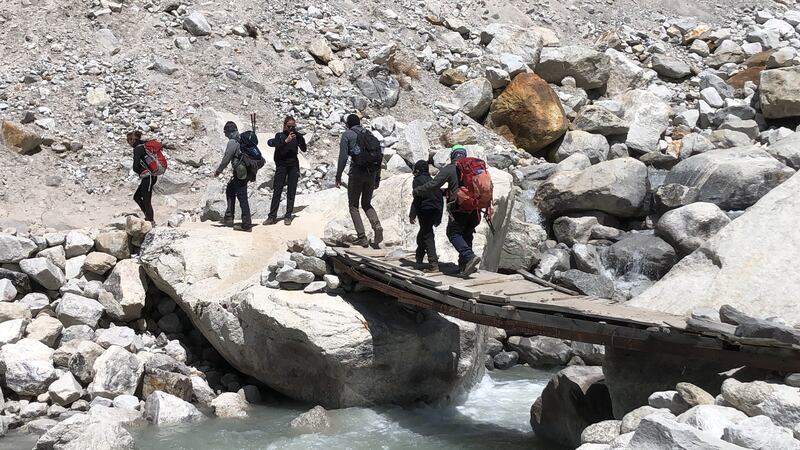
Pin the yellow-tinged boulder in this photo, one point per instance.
(528, 113)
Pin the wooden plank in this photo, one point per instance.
(464, 292)
(491, 280)
(494, 299)
(531, 277)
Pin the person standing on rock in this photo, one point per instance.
(287, 169)
(144, 194)
(461, 225)
(237, 186)
(366, 156)
(428, 209)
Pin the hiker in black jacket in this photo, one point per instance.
(144, 194)
(361, 183)
(462, 224)
(287, 169)
(428, 209)
(237, 186)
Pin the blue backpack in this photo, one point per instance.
(250, 155)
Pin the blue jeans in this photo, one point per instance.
(237, 189)
(460, 231)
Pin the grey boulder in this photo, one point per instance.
(618, 187)
(732, 178)
(594, 146)
(14, 249)
(44, 272)
(161, 408)
(688, 227)
(116, 372)
(588, 67)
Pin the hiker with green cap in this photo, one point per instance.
(463, 217)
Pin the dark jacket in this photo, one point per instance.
(448, 174)
(286, 154)
(138, 158)
(346, 144)
(430, 202)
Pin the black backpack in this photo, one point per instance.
(250, 155)
(367, 153)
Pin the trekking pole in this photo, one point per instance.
(253, 121)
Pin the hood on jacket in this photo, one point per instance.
(421, 167)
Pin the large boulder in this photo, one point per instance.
(524, 42)
(528, 113)
(743, 265)
(600, 120)
(641, 253)
(379, 87)
(14, 249)
(575, 398)
(625, 74)
(588, 67)
(18, 138)
(779, 94)
(733, 178)
(594, 146)
(520, 246)
(474, 97)
(648, 117)
(75, 309)
(657, 432)
(42, 271)
(688, 227)
(787, 150)
(165, 409)
(82, 431)
(618, 187)
(116, 372)
(27, 367)
(115, 243)
(128, 286)
(539, 351)
(329, 350)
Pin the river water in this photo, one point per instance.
(496, 414)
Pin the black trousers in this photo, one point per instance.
(360, 187)
(460, 231)
(426, 237)
(237, 189)
(284, 176)
(144, 196)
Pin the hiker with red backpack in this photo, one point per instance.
(365, 153)
(469, 196)
(149, 163)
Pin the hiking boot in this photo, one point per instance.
(472, 265)
(362, 242)
(287, 221)
(378, 235)
(270, 221)
(243, 228)
(226, 222)
(433, 267)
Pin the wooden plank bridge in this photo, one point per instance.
(526, 305)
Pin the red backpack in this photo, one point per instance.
(475, 191)
(154, 160)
